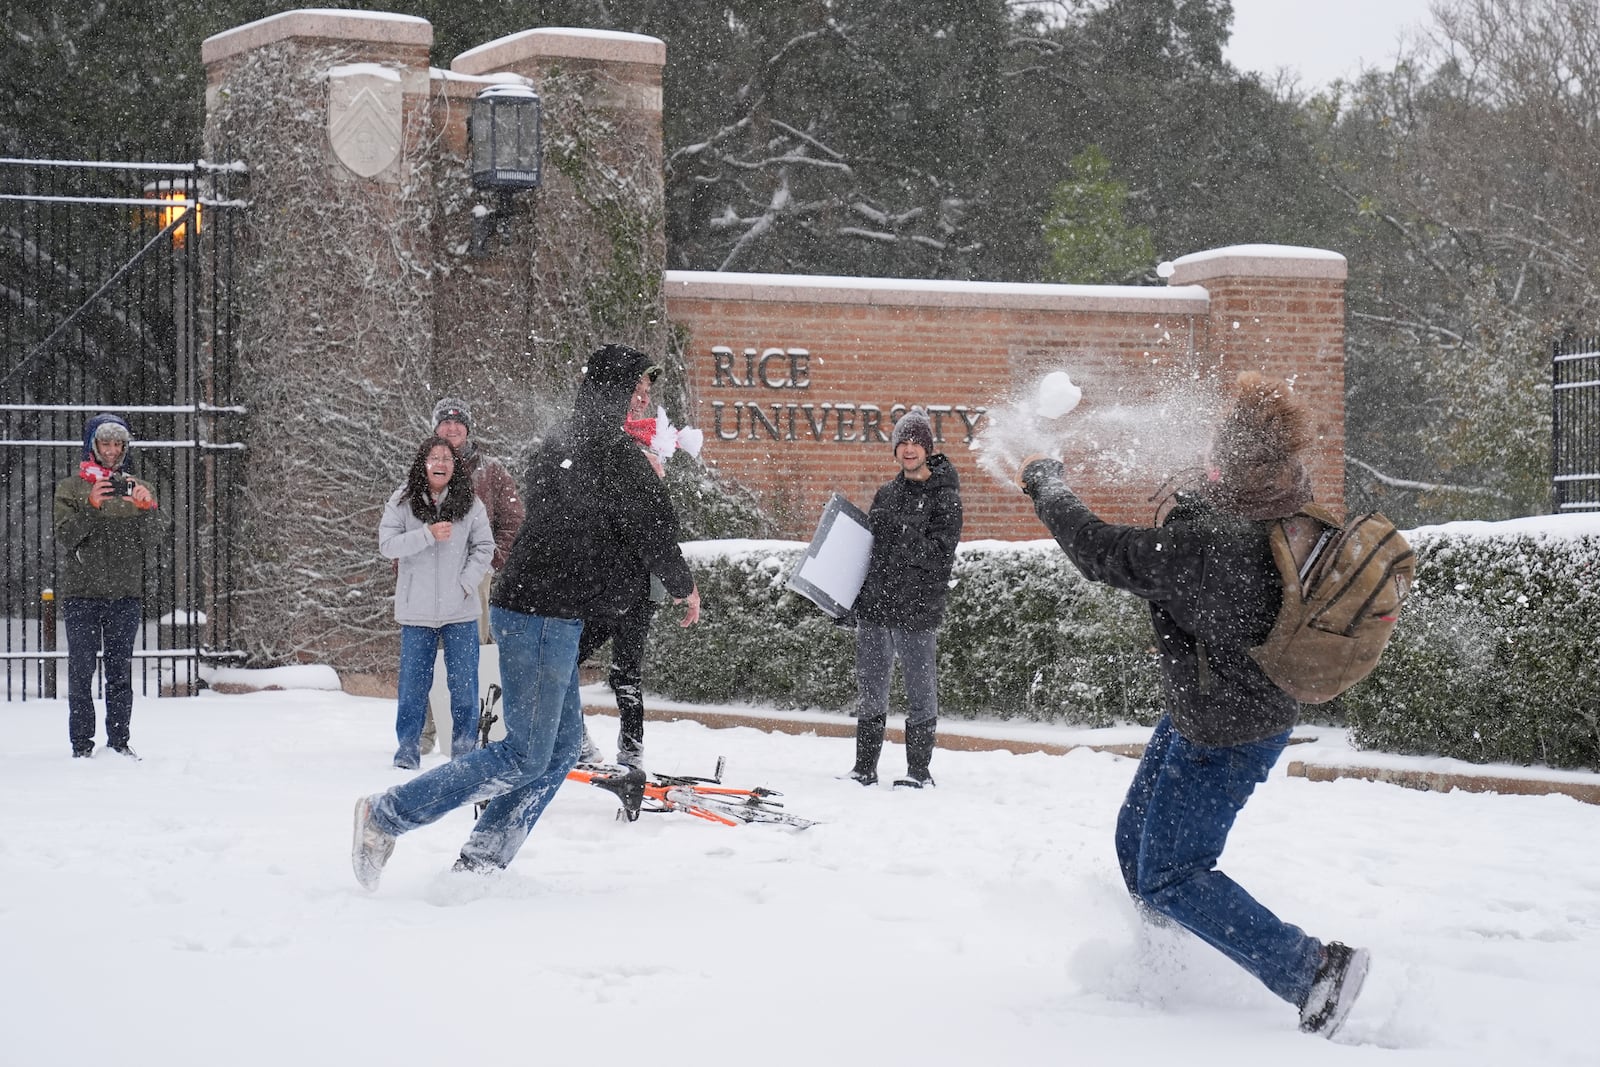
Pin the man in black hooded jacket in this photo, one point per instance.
(598, 524)
(916, 525)
(1214, 593)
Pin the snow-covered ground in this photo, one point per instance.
(198, 908)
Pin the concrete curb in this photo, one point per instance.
(956, 742)
(1436, 781)
(1444, 781)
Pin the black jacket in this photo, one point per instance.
(599, 522)
(915, 529)
(1213, 591)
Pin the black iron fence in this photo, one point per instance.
(1575, 425)
(115, 296)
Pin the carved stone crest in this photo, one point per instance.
(364, 110)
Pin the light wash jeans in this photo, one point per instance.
(417, 647)
(1170, 832)
(519, 774)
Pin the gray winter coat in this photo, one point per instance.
(437, 583)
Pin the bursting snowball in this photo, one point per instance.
(1057, 395)
(690, 439)
(663, 438)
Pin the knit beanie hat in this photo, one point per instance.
(914, 427)
(1256, 451)
(452, 409)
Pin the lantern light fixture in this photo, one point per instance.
(503, 133)
(504, 130)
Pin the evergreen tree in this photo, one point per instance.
(1090, 239)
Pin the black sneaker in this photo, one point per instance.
(126, 750)
(82, 751)
(1334, 989)
(863, 777)
(467, 865)
(914, 780)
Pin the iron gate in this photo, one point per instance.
(1575, 425)
(115, 296)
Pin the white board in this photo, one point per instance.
(834, 566)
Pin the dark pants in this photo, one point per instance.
(627, 634)
(94, 623)
(1171, 831)
(877, 648)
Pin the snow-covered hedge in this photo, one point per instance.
(1497, 655)
(1025, 636)
(1496, 659)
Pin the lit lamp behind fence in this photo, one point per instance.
(170, 199)
(504, 134)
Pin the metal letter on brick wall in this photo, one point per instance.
(364, 109)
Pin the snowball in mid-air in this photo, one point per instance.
(1057, 395)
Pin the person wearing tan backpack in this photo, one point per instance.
(1215, 593)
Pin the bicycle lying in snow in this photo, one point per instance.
(704, 798)
(639, 792)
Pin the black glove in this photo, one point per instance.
(1036, 469)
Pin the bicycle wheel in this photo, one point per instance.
(746, 808)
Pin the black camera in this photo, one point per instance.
(121, 484)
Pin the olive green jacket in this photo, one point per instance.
(102, 549)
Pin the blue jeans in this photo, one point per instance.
(417, 647)
(1170, 832)
(519, 774)
(93, 622)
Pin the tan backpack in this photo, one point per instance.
(1343, 586)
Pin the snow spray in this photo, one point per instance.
(1113, 437)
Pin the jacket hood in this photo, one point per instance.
(94, 425)
(1256, 450)
(608, 382)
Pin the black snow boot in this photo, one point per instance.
(869, 743)
(919, 753)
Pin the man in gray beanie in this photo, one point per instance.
(492, 484)
(916, 524)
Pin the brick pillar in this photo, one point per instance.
(1280, 310)
(333, 276)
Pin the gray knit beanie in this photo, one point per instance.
(453, 409)
(914, 427)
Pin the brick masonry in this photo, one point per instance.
(797, 381)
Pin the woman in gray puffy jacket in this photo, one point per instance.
(438, 533)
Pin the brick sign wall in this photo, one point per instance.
(797, 381)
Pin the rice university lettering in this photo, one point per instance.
(787, 371)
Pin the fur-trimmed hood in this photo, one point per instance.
(1256, 467)
(92, 427)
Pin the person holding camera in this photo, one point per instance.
(104, 519)
(438, 530)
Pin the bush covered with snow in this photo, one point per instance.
(1497, 655)
(1025, 636)
(1496, 658)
